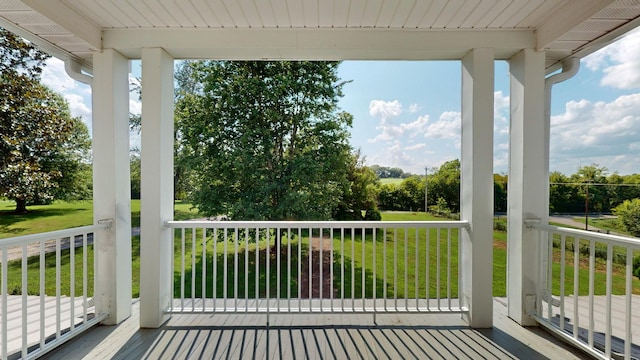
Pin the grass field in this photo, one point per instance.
(65, 215)
(395, 181)
(356, 266)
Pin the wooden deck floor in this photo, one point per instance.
(308, 337)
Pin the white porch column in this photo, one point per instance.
(477, 186)
(156, 186)
(527, 181)
(111, 184)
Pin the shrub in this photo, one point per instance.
(636, 266)
(629, 216)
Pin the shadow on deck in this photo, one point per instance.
(209, 336)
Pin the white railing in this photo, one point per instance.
(591, 307)
(316, 267)
(47, 285)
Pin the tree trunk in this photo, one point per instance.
(21, 206)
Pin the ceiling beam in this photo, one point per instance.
(318, 44)
(572, 14)
(64, 16)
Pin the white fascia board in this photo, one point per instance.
(61, 14)
(317, 44)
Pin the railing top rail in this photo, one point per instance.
(316, 224)
(51, 235)
(587, 235)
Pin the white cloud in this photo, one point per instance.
(415, 147)
(413, 108)
(620, 62)
(447, 127)
(385, 110)
(596, 132)
(78, 95)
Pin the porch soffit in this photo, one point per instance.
(320, 29)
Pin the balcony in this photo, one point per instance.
(321, 289)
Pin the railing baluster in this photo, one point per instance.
(203, 292)
(562, 278)
(342, 256)
(278, 248)
(375, 256)
(406, 269)
(225, 269)
(193, 269)
(608, 329)
(592, 265)
(353, 269)
(427, 275)
(438, 267)
(257, 291)
(384, 267)
(5, 310)
(289, 269)
(364, 266)
(58, 281)
(321, 271)
(310, 256)
(42, 292)
(627, 301)
(299, 268)
(72, 283)
(268, 264)
(449, 268)
(182, 249)
(331, 269)
(549, 275)
(235, 268)
(84, 276)
(246, 269)
(416, 271)
(25, 307)
(214, 278)
(576, 287)
(395, 268)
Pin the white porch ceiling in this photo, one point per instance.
(320, 29)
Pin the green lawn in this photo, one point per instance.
(65, 215)
(353, 264)
(395, 181)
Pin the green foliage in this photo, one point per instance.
(636, 267)
(43, 150)
(384, 172)
(264, 140)
(629, 216)
(440, 208)
(445, 184)
(500, 193)
(406, 196)
(134, 168)
(359, 193)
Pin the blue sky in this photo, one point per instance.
(407, 114)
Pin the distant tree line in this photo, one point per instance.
(384, 172)
(590, 188)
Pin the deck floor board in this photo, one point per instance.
(316, 336)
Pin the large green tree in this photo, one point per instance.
(43, 150)
(263, 140)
